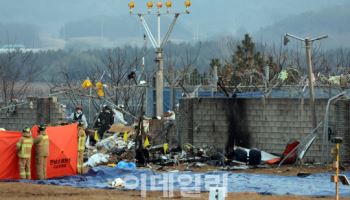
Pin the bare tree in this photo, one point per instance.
(119, 73)
(180, 64)
(187, 62)
(17, 71)
(280, 55)
(170, 63)
(116, 71)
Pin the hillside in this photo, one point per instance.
(96, 23)
(208, 17)
(332, 21)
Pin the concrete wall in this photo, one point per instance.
(44, 110)
(162, 131)
(266, 124)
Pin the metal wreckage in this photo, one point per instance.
(131, 146)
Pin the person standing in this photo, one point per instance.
(81, 147)
(78, 115)
(24, 149)
(41, 152)
(119, 116)
(104, 121)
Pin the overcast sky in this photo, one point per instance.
(208, 17)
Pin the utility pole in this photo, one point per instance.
(308, 45)
(214, 80)
(158, 44)
(172, 89)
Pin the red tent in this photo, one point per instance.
(62, 160)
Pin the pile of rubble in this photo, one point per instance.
(122, 146)
(116, 148)
(110, 150)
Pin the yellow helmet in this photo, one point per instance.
(26, 132)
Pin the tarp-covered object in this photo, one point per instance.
(62, 160)
(101, 177)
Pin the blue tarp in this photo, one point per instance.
(137, 179)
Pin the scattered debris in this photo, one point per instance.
(303, 174)
(119, 150)
(120, 128)
(118, 183)
(126, 165)
(97, 159)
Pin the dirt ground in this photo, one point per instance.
(283, 170)
(16, 191)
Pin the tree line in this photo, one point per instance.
(240, 62)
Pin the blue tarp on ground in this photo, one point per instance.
(313, 185)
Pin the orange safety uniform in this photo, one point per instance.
(24, 150)
(41, 153)
(81, 148)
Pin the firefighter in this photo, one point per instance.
(24, 149)
(81, 146)
(41, 152)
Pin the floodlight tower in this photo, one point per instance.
(308, 44)
(159, 43)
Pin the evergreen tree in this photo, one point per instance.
(246, 65)
(215, 62)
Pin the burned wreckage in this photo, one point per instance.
(146, 144)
